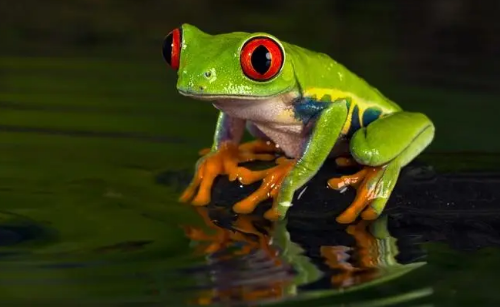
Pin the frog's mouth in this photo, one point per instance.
(223, 97)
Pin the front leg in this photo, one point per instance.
(222, 159)
(324, 131)
(383, 148)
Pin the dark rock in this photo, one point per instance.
(461, 209)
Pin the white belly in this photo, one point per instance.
(275, 118)
(288, 137)
(271, 111)
(293, 139)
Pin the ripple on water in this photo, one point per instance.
(16, 230)
(236, 260)
(251, 260)
(33, 275)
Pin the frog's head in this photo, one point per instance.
(228, 66)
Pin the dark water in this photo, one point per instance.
(429, 249)
(229, 262)
(251, 262)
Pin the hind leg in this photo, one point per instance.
(382, 148)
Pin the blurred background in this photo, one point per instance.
(89, 116)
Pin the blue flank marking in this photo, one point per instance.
(355, 124)
(306, 108)
(370, 115)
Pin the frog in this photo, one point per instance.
(300, 105)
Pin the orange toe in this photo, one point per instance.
(213, 165)
(365, 193)
(369, 214)
(271, 183)
(187, 194)
(272, 215)
(246, 176)
(257, 150)
(204, 192)
(249, 157)
(350, 214)
(248, 204)
(190, 191)
(347, 217)
(224, 161)
(349, 180)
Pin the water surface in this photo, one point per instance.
(83, 218)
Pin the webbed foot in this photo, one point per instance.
(271, 183)
(260, 146)
(223, 162)
(373, 185)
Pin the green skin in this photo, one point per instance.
(307, 109)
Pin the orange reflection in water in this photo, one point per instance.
(360, 263)
(261, 273)
(240, 238)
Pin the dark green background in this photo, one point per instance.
(89, 116)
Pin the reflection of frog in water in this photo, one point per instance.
(271, 267)
(241, 230)
(375, 251)
(261, 250)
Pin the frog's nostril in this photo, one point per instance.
(208, 74)
(202, 88)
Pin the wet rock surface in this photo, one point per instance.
(460, 209)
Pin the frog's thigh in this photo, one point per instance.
(401, 135)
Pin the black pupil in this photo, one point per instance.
(167, 49)
(261, 59)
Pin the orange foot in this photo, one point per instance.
(365, 182)
(260, 146)
(223, 162)
(271, 183)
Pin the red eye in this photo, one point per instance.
(172, 48)
(261, 58)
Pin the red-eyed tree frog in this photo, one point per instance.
(296, 102)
